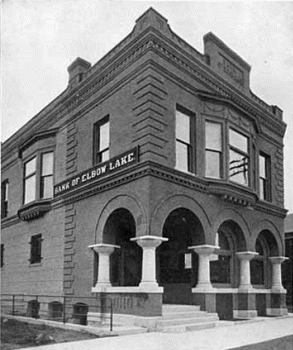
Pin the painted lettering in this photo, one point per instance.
(130, 157)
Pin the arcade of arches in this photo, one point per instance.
(180, 265)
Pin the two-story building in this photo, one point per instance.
(155, 178)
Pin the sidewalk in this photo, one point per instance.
(219, 338)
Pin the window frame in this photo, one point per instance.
(267, 191)
(241, 152)
(221, 152)
(191, 146)
(97, 152)
(36, 249)
(38, 175)
(4, 198)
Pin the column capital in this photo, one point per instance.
(103, 248)
(149, 241)
(277, 259)
(204, 249)
(246, 255)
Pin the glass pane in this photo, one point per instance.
(213, 164)
(239, 141)
(257, 271)
(181, 156)
(261, 188)
(238, 168)
(104, 136)
(105, 156)
(182, 127)
(47, 187)
(262, 166)
(47, 163)
(220, 269)
(30, 167)
(30, 189)
(214, 136)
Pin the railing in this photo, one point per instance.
(65, 309)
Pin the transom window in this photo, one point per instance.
(264, 177)
(101, 140)
(183, 140)
(238, 158)
(38, 177)
(213, 150)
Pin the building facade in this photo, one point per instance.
(288, 264)
(155, 177)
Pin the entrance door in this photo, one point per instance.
(177, 264)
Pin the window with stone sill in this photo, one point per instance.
(4, 199)
(213, 150)
(238, 158)
(264, 177)
(185, 131)
(101, 141)
(38, 177)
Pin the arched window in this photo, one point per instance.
(222, 262)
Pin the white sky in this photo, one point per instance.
(40, 38)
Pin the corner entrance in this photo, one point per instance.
(177, 265)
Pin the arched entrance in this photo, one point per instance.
(125, 262)
(177, 265)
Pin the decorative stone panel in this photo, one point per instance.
(149, 122)
(71, 154)
(279, 178)
(69, 251)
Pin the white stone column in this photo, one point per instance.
(245, 278)
(104, 251)
(204, 254)
(276, 262)
(149, 245)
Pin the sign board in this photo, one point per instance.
(97, 172)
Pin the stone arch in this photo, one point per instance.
(126, 202)
(267, 225)
(233, 216)
(173, 202)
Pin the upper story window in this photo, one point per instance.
(264, 177)
(184, 140)
(213, 150)
(101, 140)
(4, 199)
(38, 177)
(238, 158)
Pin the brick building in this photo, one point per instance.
(155, 177)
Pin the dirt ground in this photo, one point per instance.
(16, 334)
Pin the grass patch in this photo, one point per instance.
(16, 334)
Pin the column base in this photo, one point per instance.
(244, 314)
(277, 312)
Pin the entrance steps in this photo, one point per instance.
(182, 318)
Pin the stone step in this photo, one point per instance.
(187, 327)
(187, 314)
(178, 307)
(183, 321)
